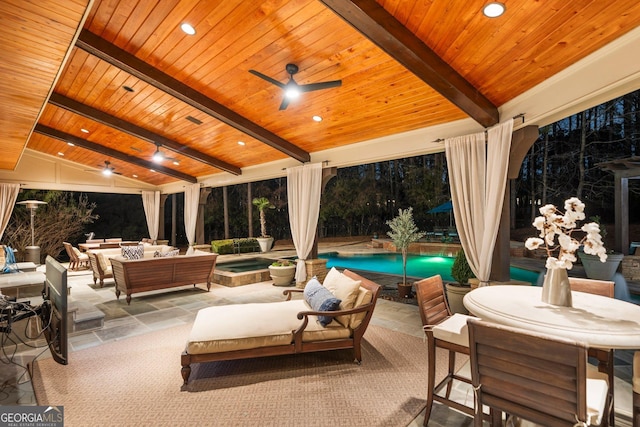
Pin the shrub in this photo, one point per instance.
(230, 246)
(460, 270)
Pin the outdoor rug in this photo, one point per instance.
(136, 381)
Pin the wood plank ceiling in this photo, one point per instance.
(134, 82)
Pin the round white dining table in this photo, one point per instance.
(593, 319)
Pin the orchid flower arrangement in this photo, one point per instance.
(554, 223)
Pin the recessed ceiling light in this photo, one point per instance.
(152, 170)
(71, 144)
(83, 130)
(188, 29)
(60, 153)
(241, 143)
(317, 118)
(134, 175)
(177, 163)
(494, 9)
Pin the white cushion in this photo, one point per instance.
(596, 399)
(345, 289)
(242, 326)
(453, 329)
(597, 388)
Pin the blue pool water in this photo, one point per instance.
(417, 265)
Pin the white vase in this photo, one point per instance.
(556, 289)
(265, 243)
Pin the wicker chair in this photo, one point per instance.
(446, 331)
(543, 379)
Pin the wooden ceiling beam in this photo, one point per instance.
(123, 60)
(66, 137)
(379, 26)
(131, 129)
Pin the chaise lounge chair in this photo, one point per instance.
(242, 331)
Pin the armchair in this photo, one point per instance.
(77, 259)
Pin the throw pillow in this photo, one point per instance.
(344, 288)
(320, 299)
(133, 252)
(172, 253)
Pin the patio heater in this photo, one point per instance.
(32, 253)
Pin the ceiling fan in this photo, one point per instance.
(107, 170)
(292, 89)
(159, 156)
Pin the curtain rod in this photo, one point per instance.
(517, 116)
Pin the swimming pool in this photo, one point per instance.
(417, 265)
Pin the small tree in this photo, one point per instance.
(262, 203)
(460, 270)
(404, 232)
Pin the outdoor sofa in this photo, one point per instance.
(99, 259)
(150, 274)
(242, 331)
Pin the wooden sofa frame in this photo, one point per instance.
(297, 345)
(150, 274)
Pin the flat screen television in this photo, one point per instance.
(54, 310)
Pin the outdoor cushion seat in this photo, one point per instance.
(243, 326)
(453, 329)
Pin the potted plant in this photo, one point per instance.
(462, 274)
(282, 272)
(596, 269)
(265, 241)
(404, 232)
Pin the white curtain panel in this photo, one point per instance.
(191, 201)
(478, 178)
(304, 187)
(8, 197)
(151, 204)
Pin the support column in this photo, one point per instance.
(174, 214)
(327, 174)
(163, 201)
(204, 194)
(225, 207)
(500, 271)
(521, 142)
(249, 209)
(622, 214)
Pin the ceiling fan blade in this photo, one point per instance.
(284, 104)
(267, 78)
(319, 86)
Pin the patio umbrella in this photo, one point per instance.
(445, 207)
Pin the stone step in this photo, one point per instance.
(84, 317)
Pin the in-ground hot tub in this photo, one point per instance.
(242, 271)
